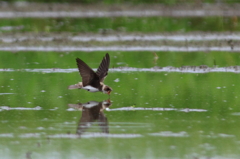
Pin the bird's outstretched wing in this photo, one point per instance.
(102, 70)
(88, 75)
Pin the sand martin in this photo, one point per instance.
(93, 81)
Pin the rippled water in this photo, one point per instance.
(119, 48)
(182, 112)
(122, 37)
(131, 13)
(145, 42)
(183, 69)
(174, 95)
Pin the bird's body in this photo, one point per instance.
(90, 89)
(93, 81)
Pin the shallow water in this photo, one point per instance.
(98, 11)
(183, 69)
(191, 42)
(151, 114)
(120, 48)
(175, 95)
(124, 37)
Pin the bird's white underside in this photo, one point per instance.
(90, 89)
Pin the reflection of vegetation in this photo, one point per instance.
(206, 91)
(209, 134)
(144, 59)
(128, 24)
(218, 93)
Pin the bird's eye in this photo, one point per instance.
(107, 89)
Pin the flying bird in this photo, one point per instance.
(93, 81)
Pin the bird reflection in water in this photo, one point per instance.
(92, 112)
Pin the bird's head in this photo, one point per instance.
(107, 89)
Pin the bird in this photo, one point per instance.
(93, 81)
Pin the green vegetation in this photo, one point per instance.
(124, 24)
(145, 59)
(46, 133)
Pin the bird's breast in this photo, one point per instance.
(90, 89)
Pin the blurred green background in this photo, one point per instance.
(208, 128)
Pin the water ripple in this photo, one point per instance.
(95, 135)
(133, 13)
(156, 109)
(183, 69)
(123, 37)
(121, 48)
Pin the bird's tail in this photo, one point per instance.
(75, 86)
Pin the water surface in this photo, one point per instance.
(174, 73)
(190, 114)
